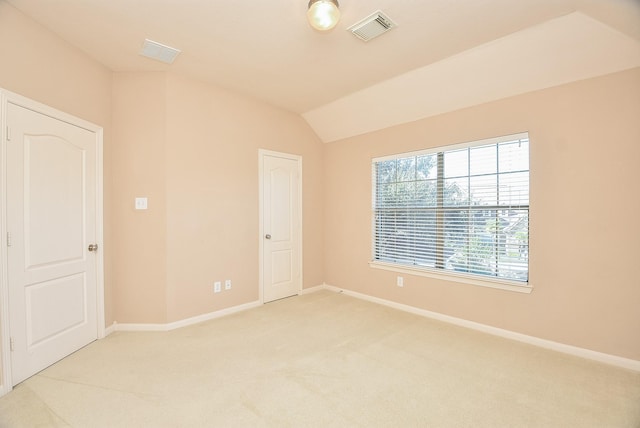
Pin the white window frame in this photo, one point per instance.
(438, 273)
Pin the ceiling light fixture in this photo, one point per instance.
(323, 15)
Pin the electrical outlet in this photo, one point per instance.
(227, 284)
(217, 287)
(400, 281)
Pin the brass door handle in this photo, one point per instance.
(93, 247)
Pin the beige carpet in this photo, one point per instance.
(322, 360)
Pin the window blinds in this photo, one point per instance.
(465, 209)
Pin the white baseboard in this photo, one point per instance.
(531, 340)
(312, 289)
(508, 334)
(182, 323)
(197, 319)
(110, 329)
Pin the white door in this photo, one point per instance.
(51, 219)
(281, 227)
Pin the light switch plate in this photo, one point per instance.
(141, 203)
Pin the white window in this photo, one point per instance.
(461, 210)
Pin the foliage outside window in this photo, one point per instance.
(462, 209)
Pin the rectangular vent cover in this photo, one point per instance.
(158, 51)
(372, 26)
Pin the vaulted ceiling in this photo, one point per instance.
(267, 50)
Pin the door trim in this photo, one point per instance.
(262, 153)
(7, 97)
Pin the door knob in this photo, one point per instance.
(93, 247)
(267, 236)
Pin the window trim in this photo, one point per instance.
(442, 274)
(452, 147)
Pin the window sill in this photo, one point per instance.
(507, 285)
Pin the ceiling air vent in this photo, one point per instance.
(372, 26)
(158, 51)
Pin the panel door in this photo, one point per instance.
(51, 219)
(281, 217)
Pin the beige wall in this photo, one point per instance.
(139, 238)
(213, 137)
(37, 64)
(585, 152)
(192, 149)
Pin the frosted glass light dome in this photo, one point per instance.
(323, 15)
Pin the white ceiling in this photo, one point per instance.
(267, 50)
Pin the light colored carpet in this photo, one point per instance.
(322, 360)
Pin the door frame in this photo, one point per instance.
(262, 153)
(6, 98)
